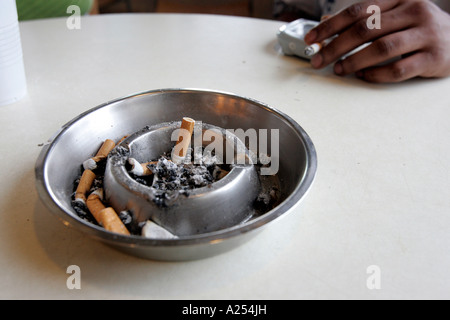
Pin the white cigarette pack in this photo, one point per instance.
(291, 37)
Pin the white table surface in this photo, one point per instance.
(381, 196)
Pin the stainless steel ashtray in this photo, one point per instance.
(59, 164)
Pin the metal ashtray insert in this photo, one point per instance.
(222, 204)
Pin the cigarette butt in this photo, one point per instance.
(147, 171)
(111, 221)
(154, 231)
(90, 164)
(95, 204)
(140, 169)
(184, 139)
(123, 138)
(104, 150)
(106, 217)
(102, 153)
(85, 184)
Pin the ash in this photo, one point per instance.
(187, 175)
(171, 179)
(170, 176)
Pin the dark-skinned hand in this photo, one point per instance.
(418, 31)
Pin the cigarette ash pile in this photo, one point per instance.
(187, 175)
(168, 177)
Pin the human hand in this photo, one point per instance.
(416, 30)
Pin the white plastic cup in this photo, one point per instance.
(10, 45)
(8, 13)
(12, 83)
(13, 86)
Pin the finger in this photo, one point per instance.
(382, 50)
(360, 33)
(342, 20)
(408, 68)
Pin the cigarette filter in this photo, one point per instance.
(140, 169)
(106, 217)
(85, 184)
(184, 139)
(102, 153)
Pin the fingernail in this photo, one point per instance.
(311, 36)
(317, 60)
(338, 69)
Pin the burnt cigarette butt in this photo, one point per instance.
(104, 150)
(106, 217)
(85, 184)
(146, 170)
(140, 169)
(154, 231)
(184, 139)
(111, 221)
(102, 153)
(95, 204)
(123, 138)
